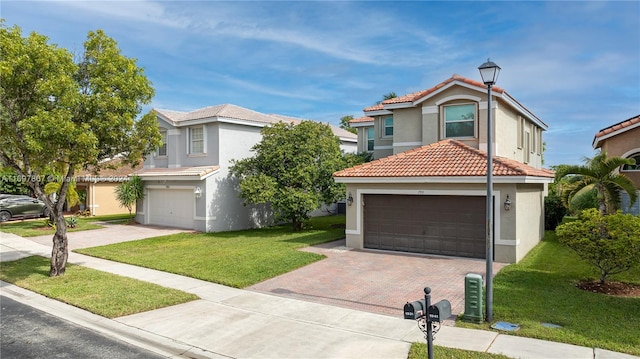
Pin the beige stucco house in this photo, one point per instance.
(623, 140)
(425, 192)
(99, 188)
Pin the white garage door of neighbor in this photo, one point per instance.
(171, 207)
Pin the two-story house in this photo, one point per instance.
(623, 140)
(187, 182)
(425, 192)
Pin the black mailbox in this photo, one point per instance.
(438, 312)
(415, 309)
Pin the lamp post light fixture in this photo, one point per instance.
(197, 192)
(489, 72)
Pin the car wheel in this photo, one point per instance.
(5, 216)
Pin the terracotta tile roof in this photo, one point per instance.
(113, 172)
(442, 159)
(199, 171)
(412, 97)
(620, 126)
(362, 119)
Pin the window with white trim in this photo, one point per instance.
(162, 150)
(460, 121)
(635, 167)
(520, 133)
(387, 126)
(196, 140)
(370, 133)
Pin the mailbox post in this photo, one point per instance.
(427, 315)
(427, 299)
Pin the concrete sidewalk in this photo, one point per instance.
(228, 322)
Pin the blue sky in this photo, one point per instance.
(576, 65)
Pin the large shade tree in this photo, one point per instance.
(58, 115)
(600, 174)
(292, 170)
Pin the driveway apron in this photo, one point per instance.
(375, 281)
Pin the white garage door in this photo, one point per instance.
(171, 207)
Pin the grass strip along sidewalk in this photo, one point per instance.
(37, 227)
(105, 294)
(542, 289)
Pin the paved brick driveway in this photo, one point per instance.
(375, 281)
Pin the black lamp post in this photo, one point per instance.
(489, 72)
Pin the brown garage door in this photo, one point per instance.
(445, 225)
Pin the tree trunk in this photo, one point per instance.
(60, 251)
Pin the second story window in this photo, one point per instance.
(196, 140)
(370, 138)
(387, 126)
(162, 150)
(460, 121)
(635, 167)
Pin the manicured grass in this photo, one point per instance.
(419, 351)
(237, 259)
(37, 227)
(102, 293)
(541, 288)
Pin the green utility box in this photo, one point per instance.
(473, 298)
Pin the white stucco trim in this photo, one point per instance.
(378, 113)
(173, 132)
(614, 133)
(360, 192)
(444, 179)
(507, 242)
(631, 152)
(382, 147)
(362, 124)
(458, 97)
(207, 218)
(406, 144)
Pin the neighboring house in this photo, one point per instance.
(623, 140)
(187, 182)
(426, 190)
(99, 189)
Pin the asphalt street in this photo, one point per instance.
(26, 332)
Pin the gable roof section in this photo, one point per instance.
(113, 171)
(447, 158)
(415, 98)
(615, 130)
(235, 114)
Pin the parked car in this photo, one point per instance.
(19, 206)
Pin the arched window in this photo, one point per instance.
(636, 167)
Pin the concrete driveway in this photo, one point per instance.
(375, 281)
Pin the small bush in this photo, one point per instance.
(72, 222)
(610, 243)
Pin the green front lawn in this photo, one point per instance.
(541, 288)
(102, 293)
(419, 351)
(237, 259)
(37, 227)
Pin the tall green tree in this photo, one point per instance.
(128, 193)
(58, 116)
(345, 125)
(599, 173)
(292, 170)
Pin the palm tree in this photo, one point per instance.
(600, 174)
